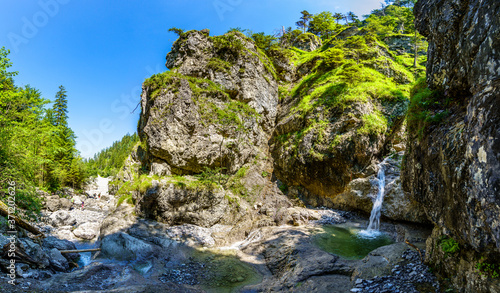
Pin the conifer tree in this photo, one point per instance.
(60, 108)
(304, 20)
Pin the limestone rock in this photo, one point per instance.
(122, 246)
(51, 242)
(171, 204)
(180, 123)
(36, 252)
(87, 231)
(361, 192)
(380, 261)
(191, 235)
(52, 203)
(57, 261)
(62, 218)
(118, 220)
(307, 42)
(453, 168)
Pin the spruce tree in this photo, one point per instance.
(60, 108)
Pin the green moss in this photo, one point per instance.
(223, 114)
(373, 124)
(217, 64)
(426, 108)
(229, 46)
(171, 81)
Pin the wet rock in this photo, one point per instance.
(361, 192)
(121, 246)
(292, 258)
(36, 252)
(51, 242)
(58, 261)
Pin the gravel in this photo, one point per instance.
(412, 276)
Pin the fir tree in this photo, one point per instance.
(60, 108)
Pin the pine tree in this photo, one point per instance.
(60, 108)
(304, 20)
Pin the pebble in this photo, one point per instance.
(404, 278)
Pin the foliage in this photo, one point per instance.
(229, 46)
(449, 245)
(489, 269)
(263, 41)
(37, 147)
(374, 123)
(323, 24)
(177, 31)
(304, 20)
(217, 64)
(110, 160)
(425, 108)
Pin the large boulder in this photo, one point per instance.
(52, 203)
(122, 246)
(214, 109)
(61, 244)
(58, 261)
(36, 252)
(62, 218)
(87, 231)
(453, 167)
(172, 205)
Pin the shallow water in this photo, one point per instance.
(348, 242)
(85, 257)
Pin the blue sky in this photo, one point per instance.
(102, 51)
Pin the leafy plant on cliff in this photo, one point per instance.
(449, 246)
(426, 108)
(489, 269)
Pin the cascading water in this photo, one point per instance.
(374, 226)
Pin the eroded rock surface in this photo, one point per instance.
(453, 168)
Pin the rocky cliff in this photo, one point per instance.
(453, 162)
(231, 129)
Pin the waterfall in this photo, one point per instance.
(374, 226)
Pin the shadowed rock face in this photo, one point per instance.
(453, 170)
